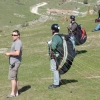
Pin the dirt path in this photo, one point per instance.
(34, 9)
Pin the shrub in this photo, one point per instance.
(85, 1)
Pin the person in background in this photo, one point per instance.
(15, 56)
(73, 25)
(72, 28)
(97, 28)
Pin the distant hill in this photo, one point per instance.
(13, 12)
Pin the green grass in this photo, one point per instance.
(82, 81)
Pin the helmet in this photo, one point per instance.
(55, 27)
(72, 17)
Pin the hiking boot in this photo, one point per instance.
(53, 86)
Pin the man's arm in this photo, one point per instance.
(74, 26)
(15, 53)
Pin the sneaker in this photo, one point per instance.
(10, 96)
(53, 86)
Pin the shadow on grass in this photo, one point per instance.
(65, 81)
(24, 88)
(80, 52)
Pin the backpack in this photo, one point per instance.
(80, 35)
(68, 56)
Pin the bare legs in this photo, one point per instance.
(14, 84)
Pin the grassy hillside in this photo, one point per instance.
(81, 82)
(15, 12)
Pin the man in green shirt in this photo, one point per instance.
(56, 54)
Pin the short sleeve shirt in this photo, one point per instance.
(16, 45)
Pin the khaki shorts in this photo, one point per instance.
(12, 75)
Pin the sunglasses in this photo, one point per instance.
(14, 35)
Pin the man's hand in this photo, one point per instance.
(7, 53)
(68, 28)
